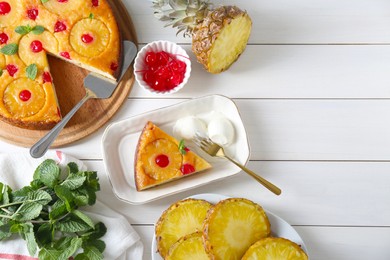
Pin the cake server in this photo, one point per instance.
(95, 87)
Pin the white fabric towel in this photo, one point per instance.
(122, 241)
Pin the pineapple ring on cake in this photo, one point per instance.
(32, 48)
(180, 219)
(2, 61)
(9, 12)
(275, 248)
(61, 7)
(232, 226)
(189, 247)
(89, 37)
(24, 97)
(162, 149)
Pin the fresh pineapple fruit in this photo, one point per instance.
(232, 226)
(89, 37)
(180, 219)
(32, 48)
(168, 149)
(24, 97)
(10, 12)
(273, 248)
(219, 36)
(189, 247)
(61, 7)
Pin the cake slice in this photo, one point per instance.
(160, 158)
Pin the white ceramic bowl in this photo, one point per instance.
(156, 46)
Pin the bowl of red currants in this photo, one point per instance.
(162, 67)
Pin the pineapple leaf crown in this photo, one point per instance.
(184, 15)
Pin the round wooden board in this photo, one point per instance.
(68, 81)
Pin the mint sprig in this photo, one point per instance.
(32, 71)
(25, 29)
(47, 213)
(91, 16)
(182, 147)
(9, 49)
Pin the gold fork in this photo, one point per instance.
(214, 150)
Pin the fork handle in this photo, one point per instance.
(263, 181)
(41, 147)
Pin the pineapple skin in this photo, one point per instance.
(205, 35)
(190, 223)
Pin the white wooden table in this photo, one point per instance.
(313, 88)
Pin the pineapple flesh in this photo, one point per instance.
(275, 248)
(180, 219)
(219, 36)
(189, 247)
(232, 226)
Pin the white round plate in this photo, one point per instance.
(279, 227)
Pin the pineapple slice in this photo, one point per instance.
(2, 61)
(10, 12)
(61, 7)
(189, 247)
(232, 226)
(166, 148)
(180, 219)
(24, 97)
(89, 37)
(32, 48)
(275, 248)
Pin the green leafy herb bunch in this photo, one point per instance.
(46, 213)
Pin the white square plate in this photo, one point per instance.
(120, 140)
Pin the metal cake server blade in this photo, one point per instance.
(96, 86)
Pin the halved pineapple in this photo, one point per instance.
(180, 219)
(275, 248)
(219, 36)
(32, 48)
(89, 37)
(189, 247)
(232, 226)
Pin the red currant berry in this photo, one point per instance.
(59, 26)
(3, 38)
(187, 169)
(32, 13)
(87, 38)
(46, 77)
(5, 8)
(36, 46)
(65, 54)
(25, 95)
(12, 69)
(162, 160)
(114, 66)
(95, 3)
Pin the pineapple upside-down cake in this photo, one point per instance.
(83, 32)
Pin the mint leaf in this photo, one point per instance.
(44, 1)
(73, 167)
(58, 210)
(91, 16)
(32, 71)
(30, 239)
(5, 231)
(38, 29)
(65, 195)
(90, 253)
(5, 192)
(70, 248)
(49, 253)
(44, 234)
(39, 196)
(98, 232)
(48, 173)
(23, 29)
(1, 72)
(182, 147)
(72, 225)
(87, 220)
(9, 49)
(27, 211)
(73, 181)
(21, 195)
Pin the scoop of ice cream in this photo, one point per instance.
(187, 127)
(221, 131)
